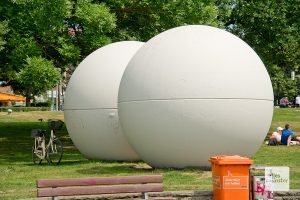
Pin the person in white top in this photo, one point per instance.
(297, 101)
(277, 134)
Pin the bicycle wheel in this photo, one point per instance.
(36, 160)
(55, 152)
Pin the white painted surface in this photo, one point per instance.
(193, 92)
(91, 103)
(98, 135)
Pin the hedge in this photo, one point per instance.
(24, 109)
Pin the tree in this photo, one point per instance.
(37, 76)
(61, 31)
(3, 32)
(272, 28)
(141, 20)
(282, 86)
(96, 21)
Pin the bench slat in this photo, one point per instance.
(93, 190)
(43, 183)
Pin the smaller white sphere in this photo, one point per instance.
(91, 112)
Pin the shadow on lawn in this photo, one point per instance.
(16, 141)
(116, 169)
(138, 167)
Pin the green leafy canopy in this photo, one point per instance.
(37, 76)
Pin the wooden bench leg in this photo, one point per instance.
(144, 195)
(54, 198)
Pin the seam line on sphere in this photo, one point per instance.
(91, 109)
(173, 99)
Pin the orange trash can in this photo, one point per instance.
(231, 180)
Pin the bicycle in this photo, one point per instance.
(52, 151)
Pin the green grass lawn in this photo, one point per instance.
(18, 174)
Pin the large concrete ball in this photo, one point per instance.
(91, 113)
(193, 92)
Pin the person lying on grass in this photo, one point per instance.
(288, 136)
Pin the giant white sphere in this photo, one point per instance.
(193, 92)
(90, 109)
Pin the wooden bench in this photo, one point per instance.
(99, 185)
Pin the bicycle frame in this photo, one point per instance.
(50, 143)
(40, 146)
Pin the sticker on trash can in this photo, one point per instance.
(235, 182)
(259, 189)
(216, 182)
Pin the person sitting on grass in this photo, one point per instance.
(284, 103)
(288, 135)
(275, 138)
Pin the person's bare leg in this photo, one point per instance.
(289, 140)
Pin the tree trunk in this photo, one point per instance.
(27, 102)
